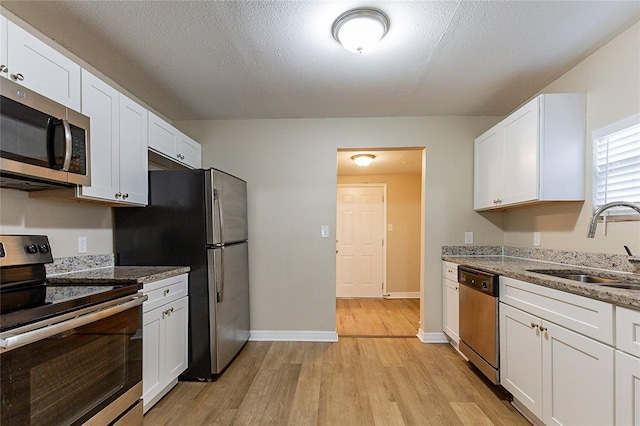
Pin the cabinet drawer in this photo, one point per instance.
(164, 291)
(586, 316)
(450, 271)
(628, 331)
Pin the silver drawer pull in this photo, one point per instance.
(166, 292)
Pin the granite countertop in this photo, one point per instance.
(517, 268)
(118, 275)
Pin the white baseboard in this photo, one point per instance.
(438, 337)
(403, 295)
(293, 336)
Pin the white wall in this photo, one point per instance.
(291, 169)
(611, 79)
(62, 222)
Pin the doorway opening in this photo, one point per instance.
(379, 242)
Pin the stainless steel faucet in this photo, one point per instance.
(594, 221)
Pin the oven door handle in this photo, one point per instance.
(41, 330)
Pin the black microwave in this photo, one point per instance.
(43, 143)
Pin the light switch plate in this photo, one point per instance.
(82, 244)
(324, 231)
(536, 239)
(468, 237)
(390, 227)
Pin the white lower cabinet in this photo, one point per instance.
(165, 345)
(450, 305)
(627, 366)
(627, 389)
(560, 376)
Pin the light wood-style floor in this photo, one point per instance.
(357, 381)
(377, 317)
(372, 380)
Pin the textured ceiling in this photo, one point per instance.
(276, 59)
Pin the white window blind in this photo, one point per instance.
(616, 154)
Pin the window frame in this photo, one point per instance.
(597, 135)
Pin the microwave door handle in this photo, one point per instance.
(68, 145)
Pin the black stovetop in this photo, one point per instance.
(66, 298)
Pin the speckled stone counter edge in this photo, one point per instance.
(612, 262)
(518, 267)
(64, 265)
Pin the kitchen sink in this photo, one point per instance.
(588, 277)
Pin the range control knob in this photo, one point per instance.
(31, 248)
(484, 285)
(44, 248)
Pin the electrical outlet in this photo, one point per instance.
(536, 239)
(468, 237)
(82, 244)
(390, 227)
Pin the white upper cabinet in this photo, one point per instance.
(4, 69)
(536, 154)
(118, 143)
(37, 66)
(169, 142)
(190, 151)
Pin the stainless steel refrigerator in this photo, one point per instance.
(197, 218)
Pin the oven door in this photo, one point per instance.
(79, 373)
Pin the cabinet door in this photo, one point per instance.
(100, 102)
(176, 348)
(134, 164)
(42, 69)
(627, 389)
(577, 382)
(163, 137)
(521, 155)
(190, 152)
(152, 353)
(451, 310)
(4, 69)
(521, 357)
(488, 179)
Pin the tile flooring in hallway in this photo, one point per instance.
(377, 317)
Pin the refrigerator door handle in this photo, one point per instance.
(218, 274)
(218, 207)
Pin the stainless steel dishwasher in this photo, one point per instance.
(479, 320)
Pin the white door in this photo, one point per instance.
(360, 241)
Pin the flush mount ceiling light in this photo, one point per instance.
(360, 29)
(363, 160)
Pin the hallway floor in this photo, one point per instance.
(377, 317)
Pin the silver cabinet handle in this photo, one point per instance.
(17, 77)
(542, 329)
(41, 330)
(4, 68)
(534, 325)
(118, 194)
(166, 292)
(125, 196)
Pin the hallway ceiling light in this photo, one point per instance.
(360, 29)
(363, 160)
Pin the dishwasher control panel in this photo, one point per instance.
(483, 281)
